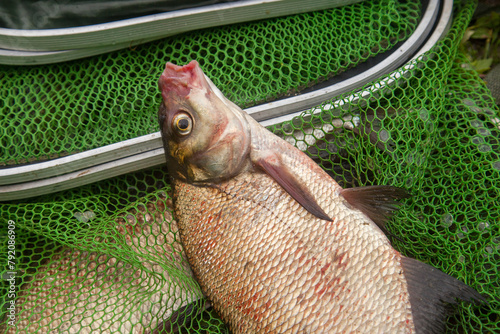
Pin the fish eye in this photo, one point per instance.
(182, 124)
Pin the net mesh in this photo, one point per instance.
(107, 256)
(48, 111)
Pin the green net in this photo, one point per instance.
(107, 256)
(48, 111)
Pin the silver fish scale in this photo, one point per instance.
(270, 266)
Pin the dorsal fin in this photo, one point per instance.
(377, 202)
(430, 290)
(292, 186)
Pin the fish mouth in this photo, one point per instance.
(188, 67)
(179, 80)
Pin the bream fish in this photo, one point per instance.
(275, 243)
(86, 292)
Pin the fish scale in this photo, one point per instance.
(280, 268)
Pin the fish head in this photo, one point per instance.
(206, 137)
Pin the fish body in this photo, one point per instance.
(86, 292)
(275, 243)
(270, 267)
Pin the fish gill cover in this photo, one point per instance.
(110, 251)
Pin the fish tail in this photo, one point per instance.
(430, 291)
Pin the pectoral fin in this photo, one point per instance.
(293, 186)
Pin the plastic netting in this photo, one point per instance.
(107, 257)
(48, 111)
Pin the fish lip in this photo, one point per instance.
(180, 79)
(189, 66)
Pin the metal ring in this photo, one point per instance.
(121, 158)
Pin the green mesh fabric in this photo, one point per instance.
(107, 256)
(48, 111)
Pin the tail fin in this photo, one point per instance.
(430, 290)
